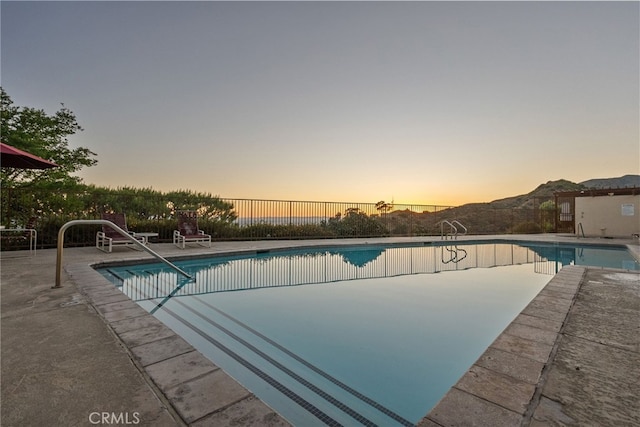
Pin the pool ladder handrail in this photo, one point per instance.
(116, 228)
(443, 235)
(455, 221)
(454, 229)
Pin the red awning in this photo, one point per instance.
(11, 157)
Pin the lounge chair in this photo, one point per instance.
(188, 230)
(108, 237)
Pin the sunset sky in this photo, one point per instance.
(421, 102)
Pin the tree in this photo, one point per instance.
(384, 207)
(34, 131)
(355, 222)
(547, 215)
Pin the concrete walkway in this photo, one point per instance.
(84, 355)
(595, 375)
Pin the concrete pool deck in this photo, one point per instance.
(85, 354)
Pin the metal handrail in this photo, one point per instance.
(580, 229)
(460, 224)
(453, 227)
(116, 228)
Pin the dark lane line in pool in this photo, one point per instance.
(311, 408)
(362, 397)
(116, 275)
(343, 407)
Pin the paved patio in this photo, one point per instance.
(84, 354)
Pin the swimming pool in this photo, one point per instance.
(373, 337)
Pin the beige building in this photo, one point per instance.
(606, 213)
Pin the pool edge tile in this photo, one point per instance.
(461, 408)
(205, 395)
(503, 390)
(250, 411)
(159, 350)
(185, 367)
(513, 365)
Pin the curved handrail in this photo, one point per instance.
(460, 224)
(115, 227)
(453, 228)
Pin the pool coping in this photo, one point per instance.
(203, 394)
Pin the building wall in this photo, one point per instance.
(608, 216)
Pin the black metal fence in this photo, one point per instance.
(248, 219)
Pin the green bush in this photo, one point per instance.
(528, 227)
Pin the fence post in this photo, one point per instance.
(9, 202)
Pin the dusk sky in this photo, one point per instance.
(421, 102)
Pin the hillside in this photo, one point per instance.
(520, 214)
(547, 190)
(542, 192)
(625, 181)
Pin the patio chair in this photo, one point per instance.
(188, 230)
(108, 237)
(19, 234)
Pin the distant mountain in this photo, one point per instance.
(543, 191)
(493, 217)
(621, 182)
(547, 190)
(519, 214)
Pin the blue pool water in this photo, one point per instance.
(371, 335)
